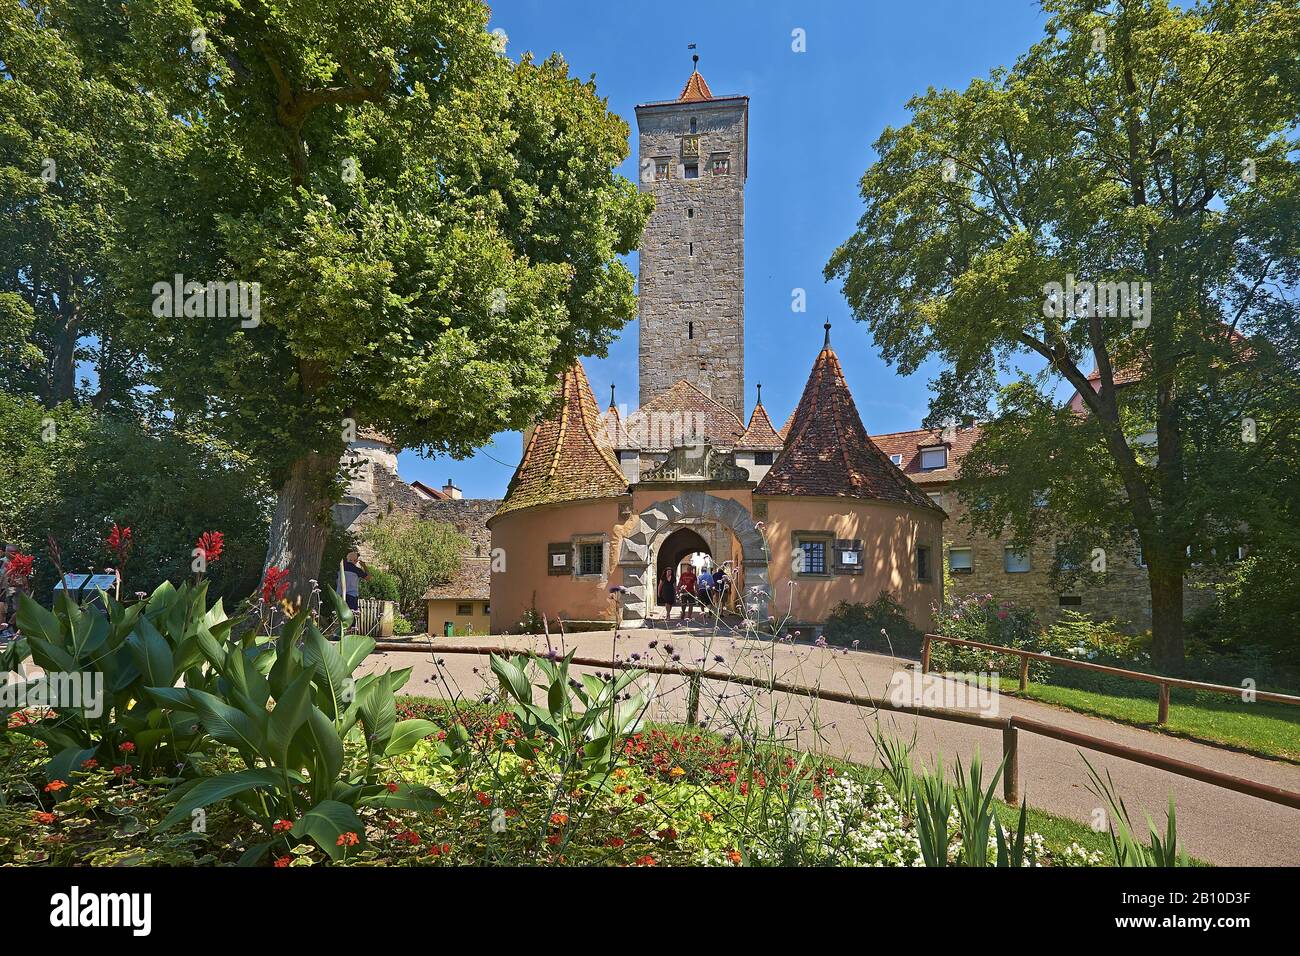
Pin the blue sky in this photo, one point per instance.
(813, 118)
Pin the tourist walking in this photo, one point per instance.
(686, 583)
(667, 593)
(354, 571)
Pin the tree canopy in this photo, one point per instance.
(1137, 143)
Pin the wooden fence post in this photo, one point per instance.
(1163, 716)
(1024, 674)
(693, 699)
(1011, 769)
(925, 654)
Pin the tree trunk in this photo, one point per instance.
(1167, 653)
(301, 523)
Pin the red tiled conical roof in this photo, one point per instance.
(568, 456)
(695, 89)
(760, 435)
(828, 451)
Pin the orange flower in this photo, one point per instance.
(734, 857)
(347, 839)
(646, 861)
(621, 789)
(559, 819)
(706, 816)
(54, 786)
(43, 817)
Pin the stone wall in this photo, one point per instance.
(691, 283)
(1121, 595)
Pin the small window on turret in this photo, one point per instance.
(692, 124)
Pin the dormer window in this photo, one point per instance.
(897, 460)
(934, 458)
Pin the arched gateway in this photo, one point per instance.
(637, 553)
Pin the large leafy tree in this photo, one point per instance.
(1136, 142)
(434, 229)
(62, 127)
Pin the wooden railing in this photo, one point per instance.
(1010, 727)
(1165, 683)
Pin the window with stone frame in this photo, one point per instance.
(663, 167)
(924, 568)
(720, 164)
(591, 558)
(811, 554)
(1015, 562)
(691, 170)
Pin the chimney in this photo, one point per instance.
(451, 491)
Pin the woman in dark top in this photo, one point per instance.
(667, 593)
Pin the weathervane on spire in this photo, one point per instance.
(827, 327)
(695, 58)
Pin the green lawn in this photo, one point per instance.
(1269, 729)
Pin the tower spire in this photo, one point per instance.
(611, 395)
(760, 394)
(827, 327)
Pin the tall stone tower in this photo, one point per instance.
(694, 159)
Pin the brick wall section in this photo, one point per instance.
(703, 285)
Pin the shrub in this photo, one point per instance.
(380, 586)
(864, 623)
(980, 618)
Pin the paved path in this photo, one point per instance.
(1216, 825)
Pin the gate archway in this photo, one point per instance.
(661, 519)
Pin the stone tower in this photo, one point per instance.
(694, 159)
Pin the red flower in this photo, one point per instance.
(210, 545)
(408, 836)
(559, 819)
(668, 833)
(119, 542)
(43, 817)
(122, 770)
(347, 839)
(553, 839)
(283, 860)
(90, 764)
(614, 842)
(482, 798)
(274, 585)
(639, 799)
(18, 566)
(54, 786)
(126, 747)
(392, 787)
(817, 792)
(279, 826)
(646, 861)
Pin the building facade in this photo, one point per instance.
(602, 507)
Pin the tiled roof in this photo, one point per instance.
(568, 456)
(366, 433)
(760, 435)
(682, 413)
(909, 445)
(785, 429)
(828, 451)
(469, 583)
(695, 89)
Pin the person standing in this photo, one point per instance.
(686, 583)
(354, 572)
(704, 588)
(721, 585)
(667, 593)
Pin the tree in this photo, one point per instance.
(91, 469)
(418, 553)
(62, 127)
(428, 232)
(1136, 143)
